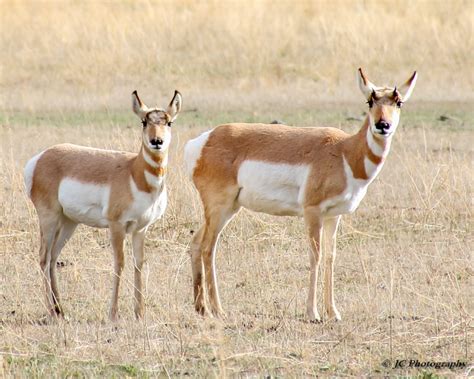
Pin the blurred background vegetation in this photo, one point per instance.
(229, 54)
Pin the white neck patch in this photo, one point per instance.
(380, 151)
(372, 169)
(148, 159)
(153, 180)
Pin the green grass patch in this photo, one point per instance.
(50, 366)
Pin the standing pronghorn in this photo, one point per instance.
(125, 192)
(317, 173)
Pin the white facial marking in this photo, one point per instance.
(372, 124)
(192, 151)
(166, 141)
(395, 121)
(84, 202)
(273, 188)
(386, 138)
(29, 171)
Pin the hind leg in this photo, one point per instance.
(66, 230)
(49, 230)
(215, 223)
(217, 217)
(197, 268)
(220, 205)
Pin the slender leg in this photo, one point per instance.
(138, 239)
(49, 230)
(66, 231)
(197, 267)
(314, 229)
(215, 223)
(209, 262)
(329, 240)
(117, 235)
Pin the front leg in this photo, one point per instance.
(329, 239)
(117, 235)
(138, 239)
(312, 220)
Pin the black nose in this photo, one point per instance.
(382, 126)
(156, 142)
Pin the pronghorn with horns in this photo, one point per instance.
(317, 173)
(125, 192)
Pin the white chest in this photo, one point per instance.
(347, 202)
(272, 188)
(146, 207)
(356, 189)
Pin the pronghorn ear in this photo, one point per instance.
(175, 105)
(138, 107)
(365, 85)
(407, 88)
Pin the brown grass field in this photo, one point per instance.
(404, 273)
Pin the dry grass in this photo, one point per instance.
(93, 54)
(403, 273)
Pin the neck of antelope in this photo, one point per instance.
(366, 153)
(149, 169)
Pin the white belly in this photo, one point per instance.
(84, 202)
(272, 188)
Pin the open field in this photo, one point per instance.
(403, 273)
(83, 55)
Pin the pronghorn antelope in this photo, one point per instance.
(317, 173)
(125, 192)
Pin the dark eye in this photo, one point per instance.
(144, 123)
(169, 123)
(370, 102)
(399, 103)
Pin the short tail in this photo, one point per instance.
(193, 151)
(29, 172)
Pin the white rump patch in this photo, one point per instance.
(192, 151)
(84, 203)
(273, 188)
(29, 171)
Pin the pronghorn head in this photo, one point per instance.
(384, 104)
(157, 122)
